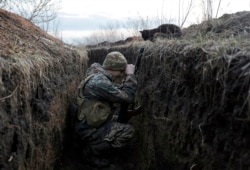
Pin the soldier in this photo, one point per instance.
(98, 94)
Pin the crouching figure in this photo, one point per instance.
(102, 89)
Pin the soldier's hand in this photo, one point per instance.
(130, 69)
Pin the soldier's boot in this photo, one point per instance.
(102, 149)
(97, 155)
(136, 111)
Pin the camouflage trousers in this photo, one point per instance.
(116, 134)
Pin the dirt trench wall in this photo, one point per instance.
(35, 90)
(196, 101)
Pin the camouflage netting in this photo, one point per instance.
(38, 78)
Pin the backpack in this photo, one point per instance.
(94, 111)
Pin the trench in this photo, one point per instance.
(195, 113)
(195, 99)
(194, 91)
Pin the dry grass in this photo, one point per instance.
(38, 76)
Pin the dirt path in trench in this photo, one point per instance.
(72, 159)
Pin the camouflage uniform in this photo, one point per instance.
(101, 87)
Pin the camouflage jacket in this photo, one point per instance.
(101, 86)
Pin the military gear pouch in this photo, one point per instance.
(94, 111)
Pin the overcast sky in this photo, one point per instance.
(77, 19)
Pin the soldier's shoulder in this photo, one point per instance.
(100, 79)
